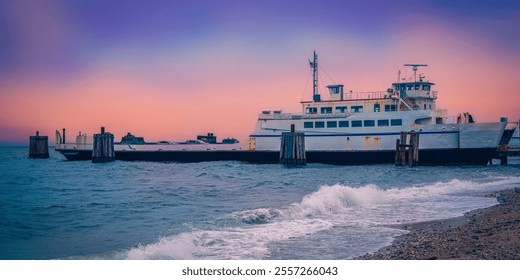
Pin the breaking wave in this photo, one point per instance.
(327, 207)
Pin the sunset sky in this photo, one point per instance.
(169, 70)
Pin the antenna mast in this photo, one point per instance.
(314, 66)
(415, 67)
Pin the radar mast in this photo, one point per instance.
(414, 68)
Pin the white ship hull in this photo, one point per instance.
(267, 134)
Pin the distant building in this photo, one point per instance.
(210, 138)
(229, 141)
(131, 139)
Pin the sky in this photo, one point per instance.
(171, 70)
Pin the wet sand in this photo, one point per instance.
(486, 234)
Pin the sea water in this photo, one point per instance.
(56, 209)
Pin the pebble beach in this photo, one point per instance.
(485, 234)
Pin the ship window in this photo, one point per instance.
(308, 125)
(396, 122)
(319, 124)
(409, 87)
(377, 107)
(357, 123)
(426, 87)
(424, 106)
(341, 109)
(356, 109)
(343, 123)
(403, 87)
(382, 122)
(326, 110)
(430, 106)
(312, 110)
(390, 108)
(332, 124)
(369, 123)
(417, 86)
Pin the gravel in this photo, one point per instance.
(485, 234)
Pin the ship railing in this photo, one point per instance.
(323, 116)
(407, 103)
(276, 116)
(288, 116)
(364, 95)
(73, 146)
(450, 119)
(442, 113)
(367, 95)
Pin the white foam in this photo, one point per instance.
(330, 200)
(175, 247)
(363, 206)
(230, 243)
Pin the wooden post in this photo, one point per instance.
(397, 151)
(38, 146)
(292, 148)
(503, 160)
(416, 149)
(403, 148)
(103, 149)
(410, 148)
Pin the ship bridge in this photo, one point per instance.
(417, 94)
(418, 89)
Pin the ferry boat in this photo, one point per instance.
(345, 128)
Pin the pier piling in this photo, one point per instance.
(103, 150)
(407, 154)
(292, 148)
(38, 146)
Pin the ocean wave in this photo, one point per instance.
(227, 243)
(256, 216)
(336, 199)
(323, 209)
(313, 214)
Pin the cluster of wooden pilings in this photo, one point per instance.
(292, 148)
(103, 149)
(38, 146)
(407, 151)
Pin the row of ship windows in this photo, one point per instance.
(412, 87)
(353, 109)
(365, 123)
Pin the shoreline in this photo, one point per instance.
(491, 233)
